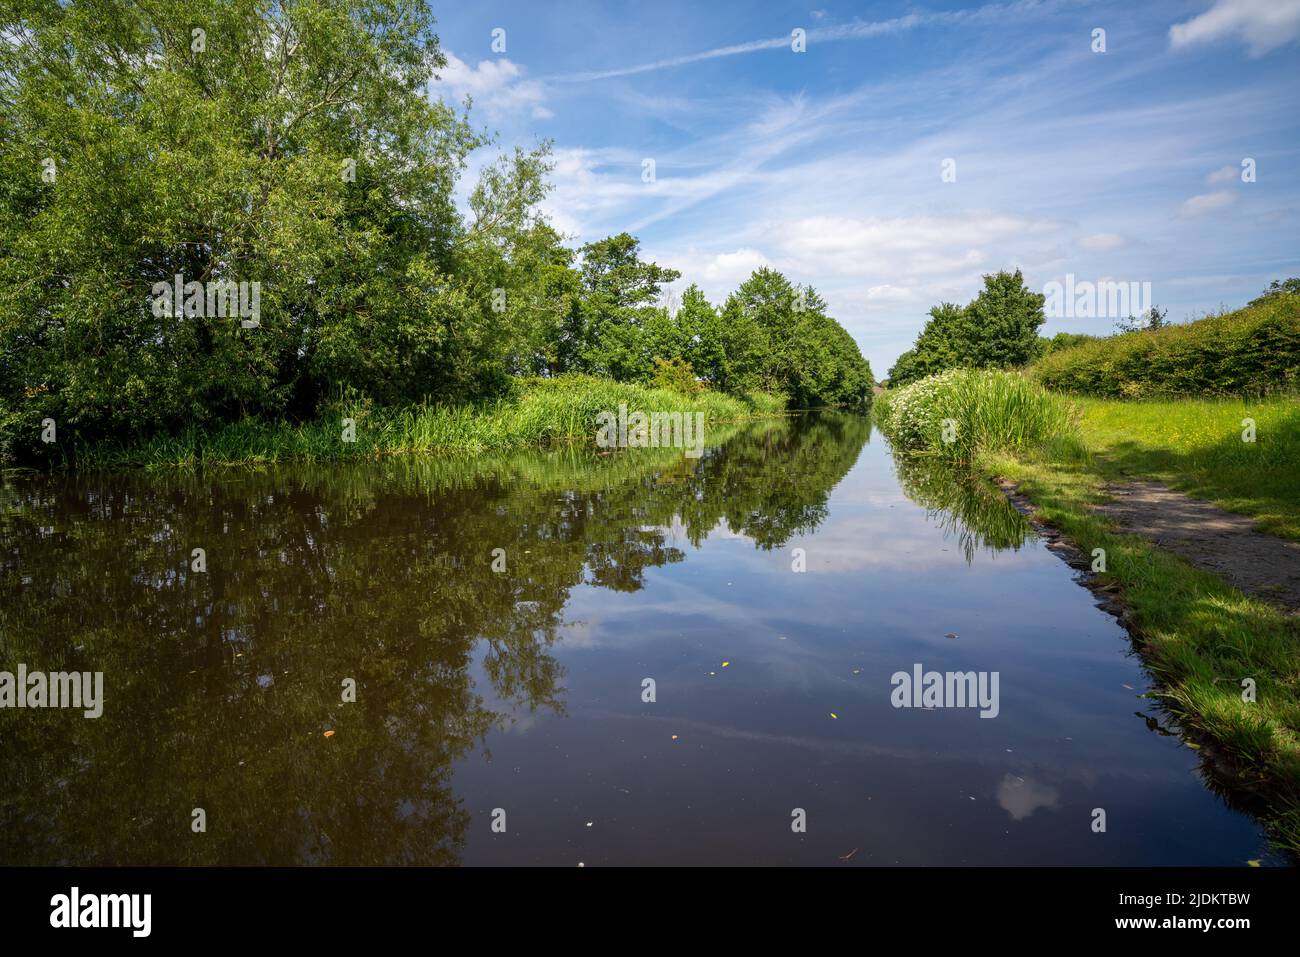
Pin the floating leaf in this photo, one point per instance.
(329, 734)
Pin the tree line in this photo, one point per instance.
(298, 147)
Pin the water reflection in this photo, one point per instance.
(964, 504)
(221, 684)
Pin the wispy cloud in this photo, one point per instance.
(1264, 25)
(1102, 242)
(1208, 203)
(857, 30)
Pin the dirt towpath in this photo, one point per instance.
(1224, 543)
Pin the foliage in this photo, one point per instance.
(1062, 340)
(1154, 318)
(997, 329)
(539, 412)
(1254, 350)
(962, 412)
(1279, 287)
(295, 146)
(676, 375)
(778, 338)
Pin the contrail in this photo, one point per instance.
(849, 31)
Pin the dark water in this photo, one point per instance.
(521, 690)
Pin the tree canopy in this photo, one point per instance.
(295, 147)
(997, 329)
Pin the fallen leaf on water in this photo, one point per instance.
(674, 737)
(329, 734)
(1254, 863)
(725, 663)
(835, 716)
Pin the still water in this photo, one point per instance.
(499, 619)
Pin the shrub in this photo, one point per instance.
(675, 375)
(1253, 351)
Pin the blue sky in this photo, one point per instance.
(1123, 165)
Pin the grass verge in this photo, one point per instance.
(1197, 446)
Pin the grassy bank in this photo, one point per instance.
(541, 412)
(1196, 446)
(1198, 636)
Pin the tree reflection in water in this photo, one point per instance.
(220, 685)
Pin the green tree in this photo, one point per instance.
(779, 338)
(1004, 320)
(619, 291)
(999, 328)
(291, 145)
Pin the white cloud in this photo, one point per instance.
(496, 86)
(1263, 24)
(921, 245)
(889, 293)
(1208, 203)
(1228, 174)
(733, 267)
(1102, 242)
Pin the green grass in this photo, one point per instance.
(1196, 446)
(542, 412)
(960, 413)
